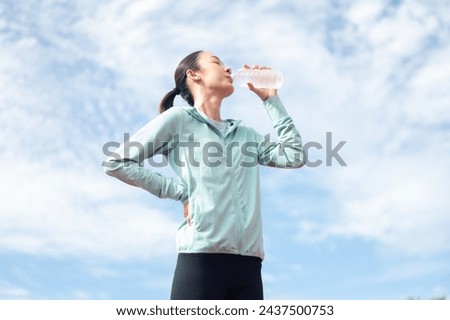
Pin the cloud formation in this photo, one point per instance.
(74, 76)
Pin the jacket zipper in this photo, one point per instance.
(234, 195)
(235, 203)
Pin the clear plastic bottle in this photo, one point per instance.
(265, 78)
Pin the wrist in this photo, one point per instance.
(269, 95)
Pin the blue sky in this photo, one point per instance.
(376, 74)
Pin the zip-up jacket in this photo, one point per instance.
(218, 173)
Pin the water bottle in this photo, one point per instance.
(265, 78)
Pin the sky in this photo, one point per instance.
(370, 76)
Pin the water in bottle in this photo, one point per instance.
(260, 78)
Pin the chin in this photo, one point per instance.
(229, 91)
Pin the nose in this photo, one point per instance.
(228, 70)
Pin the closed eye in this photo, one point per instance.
(217, 60)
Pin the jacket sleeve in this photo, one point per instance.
(157, 137)
(287, 152)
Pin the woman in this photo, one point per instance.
(220, 242)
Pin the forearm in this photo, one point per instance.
(156, 137)
(136, 175)
(288, 150)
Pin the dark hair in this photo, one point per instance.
(190, 62)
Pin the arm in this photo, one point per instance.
(287, 152)
(157, 137)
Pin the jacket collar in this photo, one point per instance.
(231, 123)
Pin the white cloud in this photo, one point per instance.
(365, 12)
(400, 204)
(403, 33)
(394, 115)
(52, 212)
(71, 88)
(411, 270)
(10, 291)
(429, 87)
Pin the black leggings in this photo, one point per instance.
(216, 276)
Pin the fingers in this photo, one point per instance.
(255, 66)
(262, 93)
(187, 215)
(251, 86)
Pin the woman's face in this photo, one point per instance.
(214, 74)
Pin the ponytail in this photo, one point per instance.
(190, 62)
(167, 101)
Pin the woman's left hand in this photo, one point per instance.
(187, 213)
(263, 93)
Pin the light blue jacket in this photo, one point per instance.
(218, 173)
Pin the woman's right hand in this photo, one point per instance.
(262, 93)
(187, 214)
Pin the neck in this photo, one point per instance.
(210, 106)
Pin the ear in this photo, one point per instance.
(193, 75)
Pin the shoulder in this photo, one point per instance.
(169, 120)
(174, 115)
(174, 112)
(183, 112)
